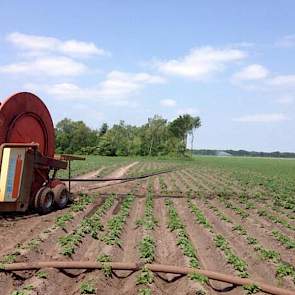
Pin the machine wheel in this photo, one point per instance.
(44, 200)
(61, 196)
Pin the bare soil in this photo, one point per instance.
(16, 230)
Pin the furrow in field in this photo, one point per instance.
(256, 268)
(207, 252)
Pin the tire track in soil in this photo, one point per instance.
(209, 256)
(256, 268)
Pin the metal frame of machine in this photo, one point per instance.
(26, 126)
(37, 189)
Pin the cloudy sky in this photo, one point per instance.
(230, 62)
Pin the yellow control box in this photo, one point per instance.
(11, 173)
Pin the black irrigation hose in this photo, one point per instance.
(118, 178)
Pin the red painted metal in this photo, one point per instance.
(24, 118)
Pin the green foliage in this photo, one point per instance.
(148, 221)
(24, 290)
(88, 226)
(147, 247)
(145, 277)
(183, 241)
(238, 264)
(87, 287)
(269, 254)
(251, 289)
(103, 258)
(284, 270)
(199, 278)
(115, 224)
(61, 221)
(286, 241)
(239, 229)
(81, 203)
(106, 267)
(251, 240)
(144, 291)
(41, 274)
(155, 138)
(199, 216)
(72, 136)
(10, 258)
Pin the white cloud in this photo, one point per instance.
(262, 118)
(122, 84)
(116, 89)
(200, 62)
(252, 72)
(47, 66)
(286, 41)
(283, 81)
(286, 99)
(168, 103)
(37, 44)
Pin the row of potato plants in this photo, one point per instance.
(111, 236)
(88, 226)
(77, 206)
(175, 224)
(238, 264)
(283, 269)
(258, 195)
(225, 194)
(116, 224)
(147, 245)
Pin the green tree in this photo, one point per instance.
(73, 136)
(183, 126)
(103, 129)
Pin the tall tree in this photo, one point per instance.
(103, 129)
(184, 125)
(195, 123)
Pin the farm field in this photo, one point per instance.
(229, 215)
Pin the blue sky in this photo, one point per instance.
(230, 62)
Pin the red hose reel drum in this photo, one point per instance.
(24, 118)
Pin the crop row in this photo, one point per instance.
(89, 226)
(238, 264)
(283, 269)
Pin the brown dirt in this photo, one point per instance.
(167, 252)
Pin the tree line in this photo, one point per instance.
(157, 137)
(244, 153)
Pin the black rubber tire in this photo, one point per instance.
(44, 200)
(61, 196)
